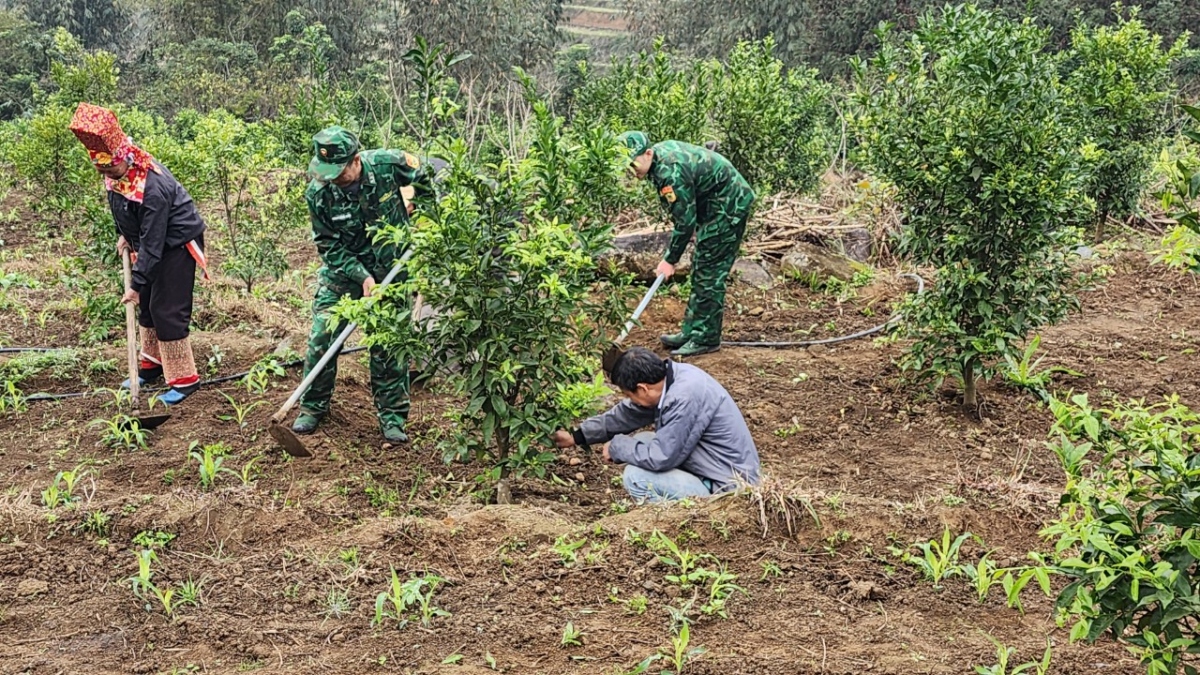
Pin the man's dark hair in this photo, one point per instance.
(638, 366)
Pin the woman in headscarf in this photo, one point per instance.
(158, 224)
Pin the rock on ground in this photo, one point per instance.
(812, 264)
(639, 255)
(753, 273)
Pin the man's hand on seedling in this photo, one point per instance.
(563, 439)
(368, 286)
(604, 453)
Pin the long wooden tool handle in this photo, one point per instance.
(336, 347)
(637, 313)
(131, 336)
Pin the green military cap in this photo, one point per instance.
(637, 142)
(333, 148)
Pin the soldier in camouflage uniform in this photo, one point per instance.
(707, 197)
(352, 195)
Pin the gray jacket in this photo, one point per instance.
(698, 428)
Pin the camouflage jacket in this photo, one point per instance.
(705, 195)
(344, 227)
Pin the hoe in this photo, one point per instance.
(283, 435)
(143, 421)
(614, 352)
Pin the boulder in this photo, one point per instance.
(753, 273)
(639, 255)
(812, 264)
(856, 244)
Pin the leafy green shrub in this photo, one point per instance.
(772, 122)
(80, 75)
(966, 118)
(667, 96)
(522, 311)
(1121, 79)
(1184, 190)
(1129, 533)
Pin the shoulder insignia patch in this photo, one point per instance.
(412, 161)
(668, 193)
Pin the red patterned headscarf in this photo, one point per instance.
(100, 133)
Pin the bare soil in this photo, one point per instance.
(881, 463)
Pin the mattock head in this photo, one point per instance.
(287, 439)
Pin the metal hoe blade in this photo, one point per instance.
(287, 439)
(614, 352)
(147, 422)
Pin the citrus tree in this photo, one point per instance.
(1120, 79)
(771, 121)
(522, 314)
(966, 118)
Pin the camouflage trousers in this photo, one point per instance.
(711, 262)
(389, 375)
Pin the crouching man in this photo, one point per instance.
(700, 447)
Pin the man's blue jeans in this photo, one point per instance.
(666, 486)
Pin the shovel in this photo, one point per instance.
(131, 339)
(615, 352)
(284, 436)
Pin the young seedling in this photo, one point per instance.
(770, 570)
(636, 605)
(62, 490)
(983, 575)
(98, 523)
(402, 596)
(52, 496)
(681, 653)
(249, 471)
(189, 592)
(1024, 372)
(939, 560)
(685, 562)
(11, 398)
(720, 587)
(122, 432)
(568, 550)
(420, 591)
(259, 375)
(209, 459)
(153, 539)
(240, 412)
(1004, 653)
(1013, 585)
(572, 636)
(144, 588)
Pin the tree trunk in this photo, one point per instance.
(970, 396)
(503, 489)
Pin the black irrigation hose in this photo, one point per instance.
(215, 380)
(18, 350)
(833, 340)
